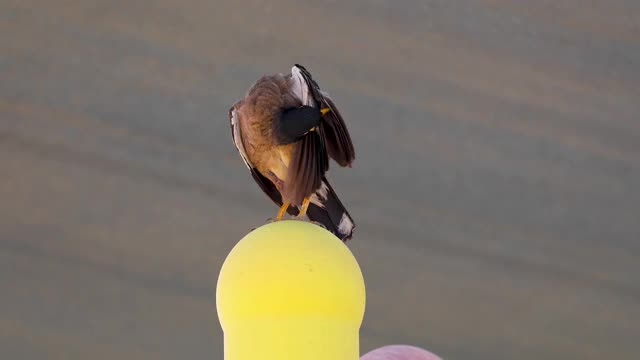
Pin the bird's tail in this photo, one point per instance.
(326, 209)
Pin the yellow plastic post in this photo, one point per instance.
(290, 290)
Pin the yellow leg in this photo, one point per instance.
(282, 210)
(304, 207)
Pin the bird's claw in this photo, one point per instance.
(318, 224)
(274, 219)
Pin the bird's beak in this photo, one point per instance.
(324, 111)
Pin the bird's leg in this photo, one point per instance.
(304, 207)
(282, 210)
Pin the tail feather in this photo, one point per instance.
(326, 209)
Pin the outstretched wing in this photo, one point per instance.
(265, 184)
(336, 136)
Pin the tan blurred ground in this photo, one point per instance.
(495, 188)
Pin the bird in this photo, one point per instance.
(286, 129)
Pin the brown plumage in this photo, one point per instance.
(286, 129)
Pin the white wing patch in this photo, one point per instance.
(322, 191)
(346, 225)
(300, 88)
(320, 195)
(237, 137)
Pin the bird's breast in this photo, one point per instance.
(272, 158)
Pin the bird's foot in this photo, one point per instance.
(303, 208)
(268, 221)
(271, 220)
(276, 219)
(319, 224)
(282, 211)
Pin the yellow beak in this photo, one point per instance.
(324, 111)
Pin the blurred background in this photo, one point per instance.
(495, 187)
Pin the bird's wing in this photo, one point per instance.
(265, 184)
(336, 136)
(234, 121)
(308, 164)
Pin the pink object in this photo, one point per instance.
(399, 352)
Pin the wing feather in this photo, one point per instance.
(338, 140)
(234, 120)
(307, 166)
(336, 136)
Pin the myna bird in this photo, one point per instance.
(285, 129)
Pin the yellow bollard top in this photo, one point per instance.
(290, 290)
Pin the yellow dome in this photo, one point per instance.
(290, 288)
